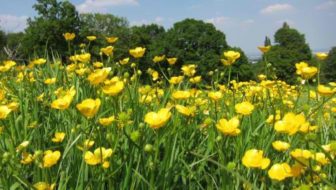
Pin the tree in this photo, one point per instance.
(267, 41)
(329, 66)
(2, 43)
(44, 32)
(290, 48)
(196, 42)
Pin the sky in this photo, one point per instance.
(244, 22)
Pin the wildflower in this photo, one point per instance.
(124, 61)
(305, 71)
(58, 138)
(99, 75)
(50, 81)
(195, 79)
(229, 127)
(321, 158)
(22, 146)
(4, 111)
(111, 39)
(84, 58)
(180, 95)
(253, 158)
(262, 77)
(99, 156)
(291, 123)
(44, 186)
(138, 52)
(86, 145)
(189, 70)
(91, 38)
(62, 103)
(26, 158)
(69, 36)
(280, 145)
(157, 119)
(89, 107)
(172, 61)
(244, 108)
(231, 57)
(106, 120)
(50, 158)
(321, 56)
(157, 59)
(114, 88)
(325, 91)
(187, 111)
(7, 65)
(215, 95)
(98, 64)
(264, 49)
(108, 51)
(301, 155)
(176, 79)
(280, 171)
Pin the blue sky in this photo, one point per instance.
(245, 22)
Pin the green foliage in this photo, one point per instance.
(329, 66)
(2, 42)
(290, 49)
(267, 41)
(54, 18)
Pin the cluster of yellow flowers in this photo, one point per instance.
(100, 108)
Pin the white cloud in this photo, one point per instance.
(276, 8)
(326, 5)
(219, 21)
(102, 5)
(11, 23)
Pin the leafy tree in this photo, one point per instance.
(267, 41)
(45, 31)
(290, 48)
(196, 42)
(2, 43)
(329, 66)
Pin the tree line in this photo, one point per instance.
(191, 41)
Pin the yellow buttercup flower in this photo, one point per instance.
(108, 51)
(91, 38)
(280, 145)
(50, 158)
(253, 158)
(264, 49)
(291, 123)
(124, 61)
(244, 108)
(305, 71)
(157, 59)
(50, 81)
(99, 75)
(229, 127)
(325, 91)
(321, 56)
(157, 119)
(7, 65)
(280, 171)
(69, 36)
(112, 39)
(215, 95)
(106, 120)
(176, 80)
(58, 138)
(301, 155)
(63, 102)
(230, 57)
(180, 95)
(321, 158)
(89, 107)
(84, 58)
(138, 52)
(44, 186)
(26, 158)
(4, 111)
(99, 156)
(187, 111)
(189, 70)
(172, 61)
(86, 145)
(195, 79)
(114, 88)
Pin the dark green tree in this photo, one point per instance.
(329, 66)
(290, 48)
(44, 32)
(2, 43)
(196, 42)
(267, 41)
